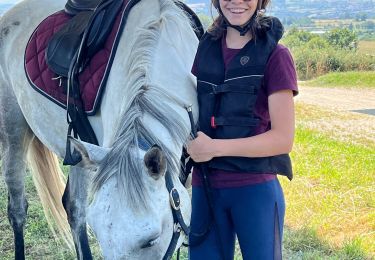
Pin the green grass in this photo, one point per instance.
(39, 241)
(306, 244)
(352, 79)
(330, 205)
(330, 202)
(333, 192)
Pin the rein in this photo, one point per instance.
(208, 192)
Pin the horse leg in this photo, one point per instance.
(13, 133)
(17, 203)
(75, 204)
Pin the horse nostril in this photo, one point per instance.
(151, 242)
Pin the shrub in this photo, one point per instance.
(342, 38)
(316, 55)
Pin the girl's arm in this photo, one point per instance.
(278, 140)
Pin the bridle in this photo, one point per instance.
(179, 223)
(178, 220)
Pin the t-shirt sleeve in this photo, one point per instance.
(280, 73)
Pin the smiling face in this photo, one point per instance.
(238, 12)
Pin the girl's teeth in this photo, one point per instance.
(237, 10)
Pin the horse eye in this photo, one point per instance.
(151, 243)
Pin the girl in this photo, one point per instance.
(246, 82)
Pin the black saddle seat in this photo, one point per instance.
(73, 7)
(83, 35)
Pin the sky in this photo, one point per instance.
(9, 1)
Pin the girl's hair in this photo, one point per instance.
(260, 23)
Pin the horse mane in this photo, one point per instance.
(123, 162)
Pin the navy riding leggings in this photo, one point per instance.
(254, 213)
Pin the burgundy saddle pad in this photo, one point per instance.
(92, 79)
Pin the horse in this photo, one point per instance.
(119, 187)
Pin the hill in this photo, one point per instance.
(329, 9)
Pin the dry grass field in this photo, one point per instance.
(366, 47)
(337, 22)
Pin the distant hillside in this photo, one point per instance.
(290, 9)
(328, 9)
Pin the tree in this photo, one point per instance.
(317, 43)
(301, 35)
(342, 38)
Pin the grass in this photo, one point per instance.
(39, 241)
(366, 47)
(330, 203)
(352, 79)
(338, 22)
(305, 244)
(333, 192)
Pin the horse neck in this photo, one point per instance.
(127, 65)
(157, 58)
(170, 73)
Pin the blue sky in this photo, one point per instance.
(9, 1)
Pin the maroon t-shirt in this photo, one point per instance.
(279, 74)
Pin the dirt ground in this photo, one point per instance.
(344, 100)
(346, 114)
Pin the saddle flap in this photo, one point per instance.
(94, 26)
(101, 27)
(65, 43)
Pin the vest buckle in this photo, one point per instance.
(213, 125)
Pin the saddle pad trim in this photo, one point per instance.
(120, 30)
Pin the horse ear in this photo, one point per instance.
(91, 154)
(155, 162)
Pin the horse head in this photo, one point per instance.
(132, 211)
(127, 229)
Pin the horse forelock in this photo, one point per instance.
(123, 162)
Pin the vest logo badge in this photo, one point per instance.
(244, 60)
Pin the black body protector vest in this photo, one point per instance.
(227, 100)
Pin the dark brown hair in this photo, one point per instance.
(261, 21)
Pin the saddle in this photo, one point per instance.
(83, 35)
(69, 51)
(73, 7)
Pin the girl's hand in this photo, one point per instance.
(201, 149)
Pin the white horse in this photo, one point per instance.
(144, 103)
